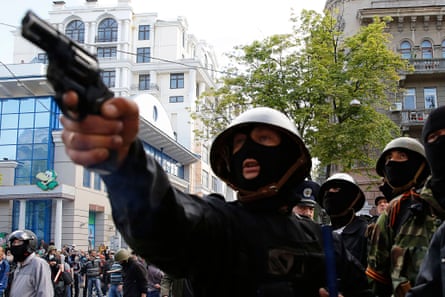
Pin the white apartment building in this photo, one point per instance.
(140, 53)
(156, 61)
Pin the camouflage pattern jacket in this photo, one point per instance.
(431, 278)
(400, 240)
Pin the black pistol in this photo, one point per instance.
(70, 67)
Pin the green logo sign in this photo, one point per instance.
(47, 180)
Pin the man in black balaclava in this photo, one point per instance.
(433, 136)
(430, 280)
(403, 232)
(342, 198)
(253, 246)
(32, 277)
(403, 167)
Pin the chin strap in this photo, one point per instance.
(338, 221)
(273, 188)
(410, 184)
(350, 207)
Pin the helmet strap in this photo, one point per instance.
(350, 207)
(273, 188)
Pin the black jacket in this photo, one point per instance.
(355, 238)
(134, 275)
(224, 249)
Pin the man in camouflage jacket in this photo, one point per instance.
(431, 278)
(403, 232)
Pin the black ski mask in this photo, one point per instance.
(435, 152)
(399, 174)
(273, 160)
(338, 202)
(20, 252)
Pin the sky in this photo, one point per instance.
(223, 24)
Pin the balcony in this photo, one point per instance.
(414, 117)
(428, 65)
(152, 89)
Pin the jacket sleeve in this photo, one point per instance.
(4, 278)
(145, 206)
(43, 285)
(430, 280)
(379, 266)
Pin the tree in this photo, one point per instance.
(312, 76)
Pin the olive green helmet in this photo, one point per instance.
(404, 143)
(122, 255)
(220, 150)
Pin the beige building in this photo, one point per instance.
(418, 35)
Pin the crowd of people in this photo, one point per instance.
(72, 272)
(267, 243)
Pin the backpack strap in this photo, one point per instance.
(401, 205)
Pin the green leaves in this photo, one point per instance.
(312, 76)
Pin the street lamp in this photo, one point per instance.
(355, 103)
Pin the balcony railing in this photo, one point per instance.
(414, 117)
(428, 65)
(151, 87)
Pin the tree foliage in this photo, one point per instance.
(312, 76)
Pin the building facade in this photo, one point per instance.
(418, 35)
(155, 62)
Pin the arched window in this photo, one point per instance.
(107, 31)
(405, 49)
(443, 49)
(427, 50)
(76, 31)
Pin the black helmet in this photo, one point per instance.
(220, 151)
(28, 237)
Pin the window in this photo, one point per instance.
(76, 31)
(177, 81)
(144, 32)
(205, 179)
(97, 183)
(42, 58)
(86, 178)
(205, 154)
(144, 82)
(409, 100)
(109, 78)
(214, 184)
(106, 52)
(405, 49)
(443, 49)
(143, 55)
(430, 98)
(176, 99)
(25, 129)
(427, 50)
(107, 31)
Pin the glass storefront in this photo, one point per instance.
(26, 126)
